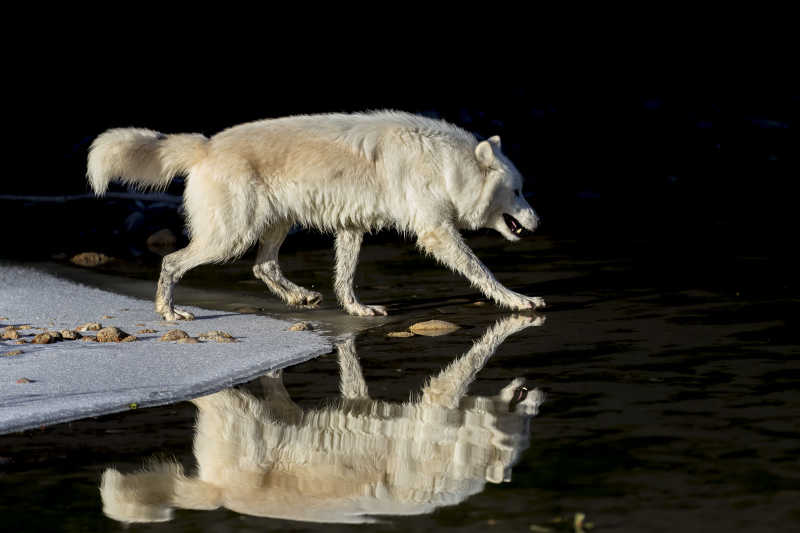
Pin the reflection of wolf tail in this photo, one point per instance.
(141, 157)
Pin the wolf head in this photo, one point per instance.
(488, 193)
(507, 211)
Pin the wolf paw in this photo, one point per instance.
(176, 314)
(365, 310)
(305, 299)
(523, 303)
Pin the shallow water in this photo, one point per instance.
(671, 389)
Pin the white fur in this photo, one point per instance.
(347, 174)
(344, 463)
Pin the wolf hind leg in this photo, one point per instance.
(268, 270)
(348, 244)
(174, 266)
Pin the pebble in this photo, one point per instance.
(70, 335)
(301, 326)
(216, 336)
(432, 328)
(90, 259)
(188, 340)
(11, 334)
(162, 242)
(147, 330)
(129, 338)
(43, 338)
(112, 334)
(399, 334)
(90, 326)
(174, 334)
(24, 380)
(13, 352)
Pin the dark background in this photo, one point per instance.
(611, 158)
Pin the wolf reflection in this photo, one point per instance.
(343, 463)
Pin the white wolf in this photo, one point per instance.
(347, 174)
(347, 462)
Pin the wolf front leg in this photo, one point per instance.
(348, 244)
(446, 244)
(452, 383)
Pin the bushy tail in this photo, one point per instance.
(141, 157)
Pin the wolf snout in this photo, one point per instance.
(518, 228)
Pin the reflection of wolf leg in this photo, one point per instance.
(277, 398)
(267, 269)
(451, 384)
(150, 495)
(446, 245)
(351, 384)
(348, 244)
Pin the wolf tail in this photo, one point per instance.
(141, 157)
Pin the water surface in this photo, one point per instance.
(671, 389)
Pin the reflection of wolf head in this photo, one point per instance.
(344, 463)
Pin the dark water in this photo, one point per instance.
(671, 385)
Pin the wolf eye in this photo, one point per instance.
(516, 193)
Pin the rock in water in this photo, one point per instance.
(433, 328)
(162, 242)
(90, 259)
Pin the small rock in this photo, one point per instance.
(70, 335)
(301, 326)
(188, 340)
(24, 380)
(433, 328)
(129, 338)
(56, 335)
(13, 352)
(162, 242)
(43, 338)
(11, 334)
(147, 330)
(90, 259)
(21, 341)
(399, 334)
(90, 326)
(111, 334)
(88, 338)
(141, 325)
(106, 316)
(174, 334)
(216, 336)
(479, 303)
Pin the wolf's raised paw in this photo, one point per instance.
(306, 299)
(366, 310)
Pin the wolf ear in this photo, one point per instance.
(495, 140)
(484, 153)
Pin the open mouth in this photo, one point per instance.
(519, 395)
(515, 227)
